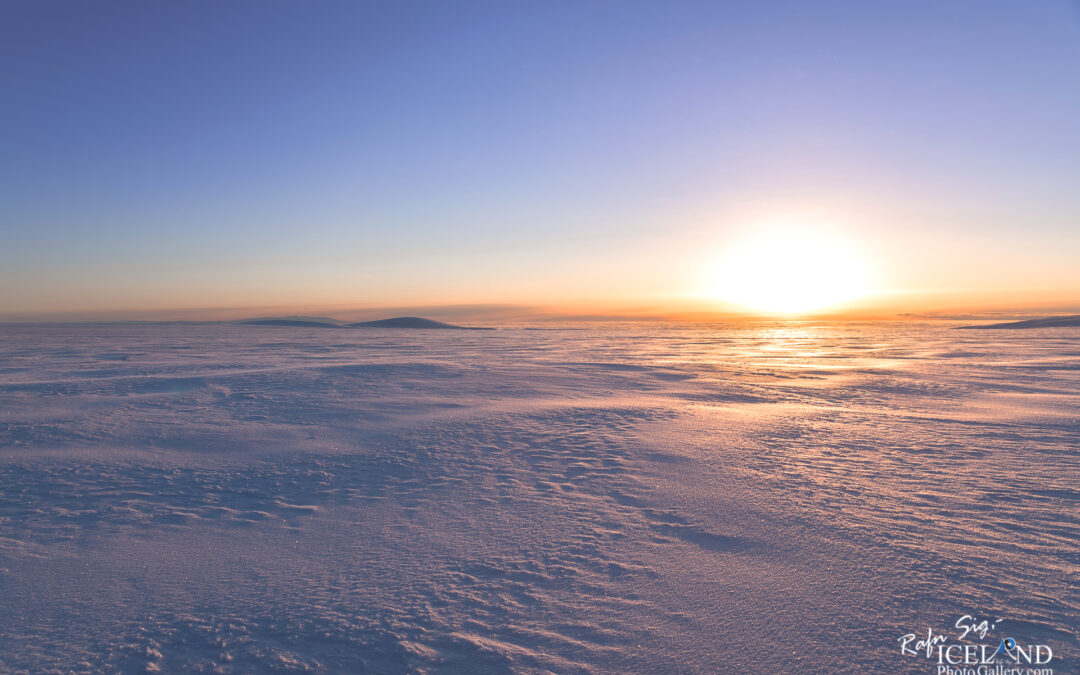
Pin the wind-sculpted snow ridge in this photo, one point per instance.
(618, 499)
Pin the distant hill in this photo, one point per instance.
(410, 322)
(1048, 322)
(325, 322)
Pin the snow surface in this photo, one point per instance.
(631, 498)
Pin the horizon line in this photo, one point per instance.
(522, 313)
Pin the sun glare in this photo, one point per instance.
(791, 272)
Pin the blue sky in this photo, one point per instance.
(255, 154)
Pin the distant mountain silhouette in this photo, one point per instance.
(410, 322)
(286, 321)
(1048, 322)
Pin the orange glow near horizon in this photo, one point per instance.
(791, 272)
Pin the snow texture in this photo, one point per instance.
(633, 498)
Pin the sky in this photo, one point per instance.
(595, 156)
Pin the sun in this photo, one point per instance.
(791, 272)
